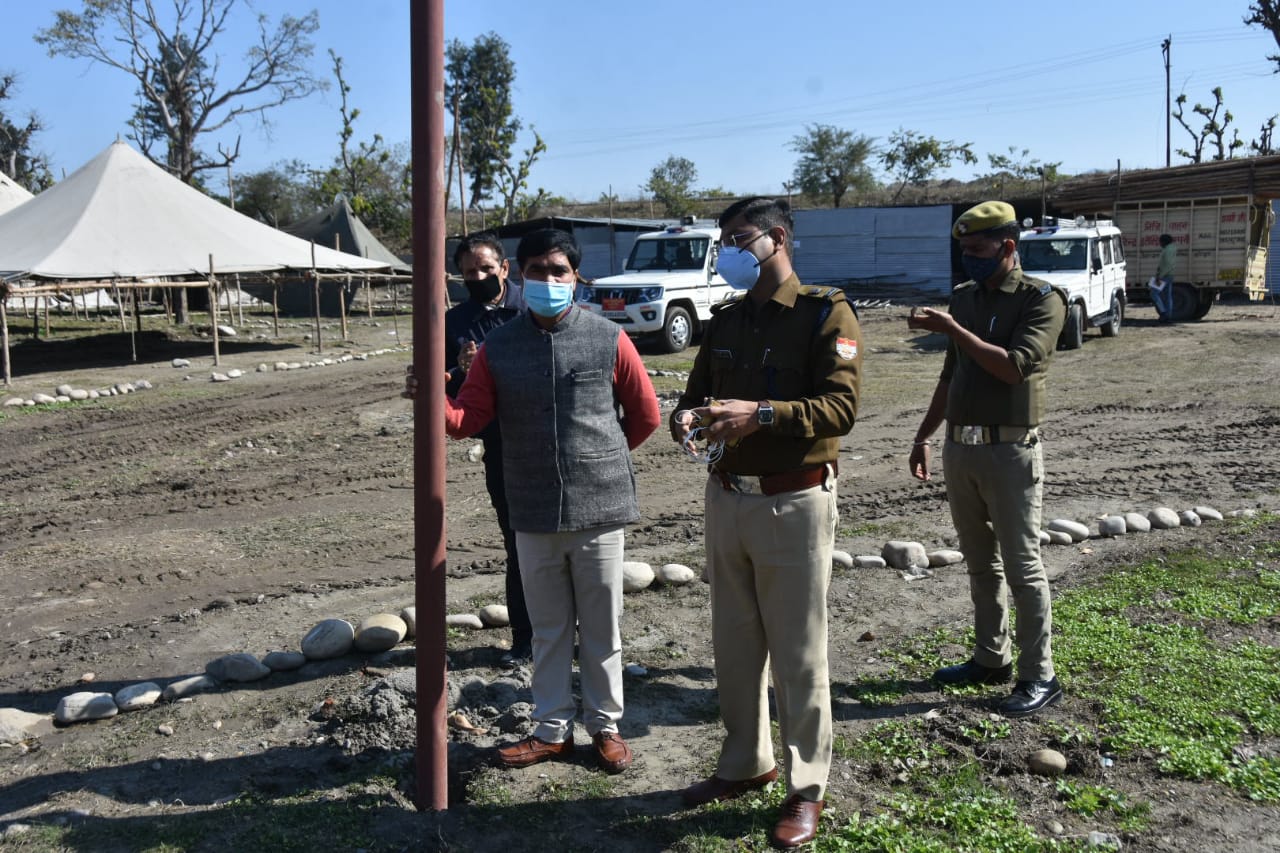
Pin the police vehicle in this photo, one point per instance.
(1084, 261)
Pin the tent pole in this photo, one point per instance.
(275, 306)
(395, 312)
(368, 296)
(239, 300)
(315, 297)
(115, 289)
(213, 314)
(47, 333)
(4, 340)
(137, 324)
(342, 307)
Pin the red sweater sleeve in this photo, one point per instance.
(476, 403)
(640, 415)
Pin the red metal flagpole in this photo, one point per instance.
(426, 35)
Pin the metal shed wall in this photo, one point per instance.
(1273, 254)
(910, 246)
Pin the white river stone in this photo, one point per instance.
(841, 560)
(1189, 518)
(1060, 537)
(1163, 518)
(410, 617)
(495, 616)
(1136, 522)
(284, 661)
(16, 726)
(134, 697)
(463, 620)
(869, 561)
(1112, 525)
(676, 574)
(79, 707)
(186, 687)
(904, 555)
(380, 632)
(330, 638)
(636, 576)
(945, 557)
(238, 667)
(1077, 531)
(1207, 513)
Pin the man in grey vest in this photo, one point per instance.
(572, 399)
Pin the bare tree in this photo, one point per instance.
(1213, 132)
(1266, 14)
(18, 159)
(176, 62)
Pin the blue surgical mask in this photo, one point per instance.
(738, 267)
(548, 298)
(981, 269)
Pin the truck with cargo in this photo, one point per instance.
(1221, 248)
(667, 285)
(1085, 262)
(1218, 214)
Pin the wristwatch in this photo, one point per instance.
(764, 415)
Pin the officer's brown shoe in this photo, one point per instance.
(533, 750)
(612, 751)
(798, 824)
(714, 789)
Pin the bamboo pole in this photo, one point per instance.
(115, 290)
(4, 341)
(213, 314)
(137, 325)
(368, 296)
(315, 300)
(275, 307)
(47, 333)
(342, 306)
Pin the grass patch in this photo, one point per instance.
(1144, 644)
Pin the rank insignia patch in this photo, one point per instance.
(846, 348)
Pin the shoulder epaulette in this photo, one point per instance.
(965, 285)
(817, 291)
(729, 301)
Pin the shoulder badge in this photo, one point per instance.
(831, 294)
(847, 348)
(728, 302)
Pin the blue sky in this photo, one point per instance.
(614, 88)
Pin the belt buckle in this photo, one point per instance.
(744, 485)
(971, 435)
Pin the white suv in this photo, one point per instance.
(1084, 261)
(666, 288)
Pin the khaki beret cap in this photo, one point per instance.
(984, 217)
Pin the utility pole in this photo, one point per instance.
(1165, 48)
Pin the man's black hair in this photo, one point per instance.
(545, 240)
(763, 213)
(478, 240)
(1166, 239)
(1012, 231)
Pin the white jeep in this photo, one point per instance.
(1084, 261)
(666, 288)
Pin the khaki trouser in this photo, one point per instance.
(995, 495)
(769, 563)
(574, 580)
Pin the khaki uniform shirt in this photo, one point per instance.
(1024, 315)
(802, 352)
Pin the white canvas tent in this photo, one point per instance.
(120, 216)
(12, 193)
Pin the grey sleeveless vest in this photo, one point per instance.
(564, 453)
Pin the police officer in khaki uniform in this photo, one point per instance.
(777, 378)
(1003, 326)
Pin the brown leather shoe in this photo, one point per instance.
(611, 751)
(714, 789)
(798, 824)
(533, 750)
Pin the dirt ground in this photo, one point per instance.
(143, 535)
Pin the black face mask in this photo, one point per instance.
(484, 290)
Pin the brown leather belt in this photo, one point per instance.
(989, 434)
(775, 484)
